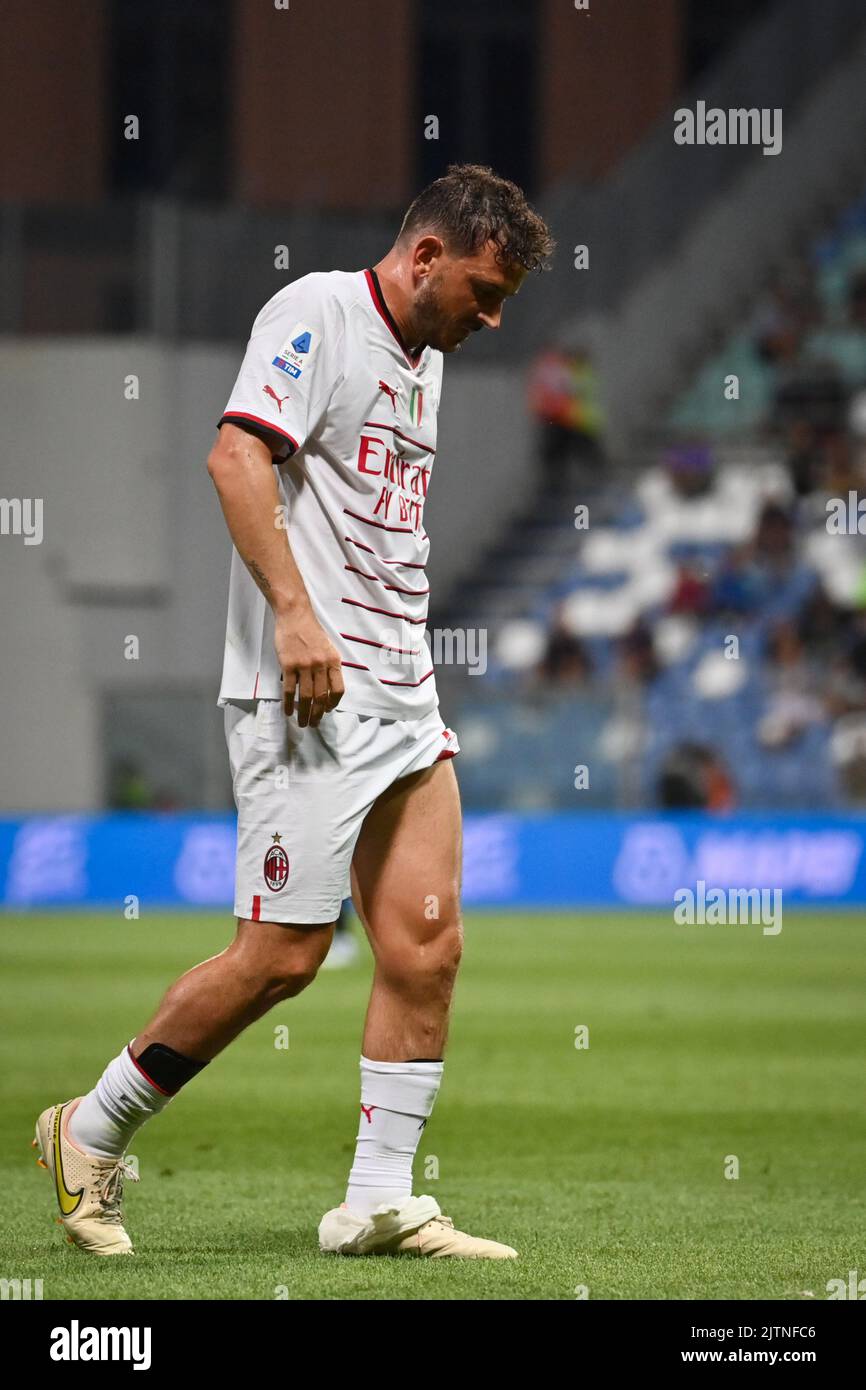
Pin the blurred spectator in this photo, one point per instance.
(804, 456)
(637, 658)
(822, 463)
(737, 590)
(692, 592)
(846, 703)
(823, 628)
(785, 313)
(565, 662)
(774, 541)
(840, 472)
(846, 684)
(691, 469)
(810, 388)
(765, 576)
(129, 789)
(564, 398)
(844, 344)
(794, 700)
(694, 777)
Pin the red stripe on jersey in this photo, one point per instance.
(355, 666)
(416, 593)
(407, 564)
(379, 425)
(380, 525)
(407, 683)
(354, 570)
(268, 424)
(368, 642)
(256, 687)
(388, 612)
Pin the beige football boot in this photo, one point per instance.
(89, 1189)
(415, 1228)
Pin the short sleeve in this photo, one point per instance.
(292, 364)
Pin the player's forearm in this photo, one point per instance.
(250, 501)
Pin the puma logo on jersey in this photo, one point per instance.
(269, 391)
(390, 391)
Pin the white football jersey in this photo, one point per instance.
(327, 369)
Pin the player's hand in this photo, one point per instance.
(310, 664)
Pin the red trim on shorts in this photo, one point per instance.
(446, 753)
(256, 914)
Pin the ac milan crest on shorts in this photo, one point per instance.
(276, 868)
(302, 795)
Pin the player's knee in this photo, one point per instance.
(292, 973)
(452, 943)
(425, 963)
(286, 982)
(285, 967)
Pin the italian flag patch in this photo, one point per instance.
(416, 405)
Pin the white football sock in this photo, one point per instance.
(122, 1099)
(397, 1099)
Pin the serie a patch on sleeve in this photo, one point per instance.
(297, 350)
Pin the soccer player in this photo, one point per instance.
(340, 760)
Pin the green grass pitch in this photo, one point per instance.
(605, 1166)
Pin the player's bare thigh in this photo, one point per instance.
(406, 870)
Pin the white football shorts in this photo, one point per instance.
(302, 795)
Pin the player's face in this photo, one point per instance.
(461, 295)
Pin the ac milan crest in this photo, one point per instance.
(276, 867)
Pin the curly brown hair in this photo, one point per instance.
(470, 206)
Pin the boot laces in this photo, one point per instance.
(110, 1190)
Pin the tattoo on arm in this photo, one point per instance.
(258, 575)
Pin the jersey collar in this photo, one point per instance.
(382, 309)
